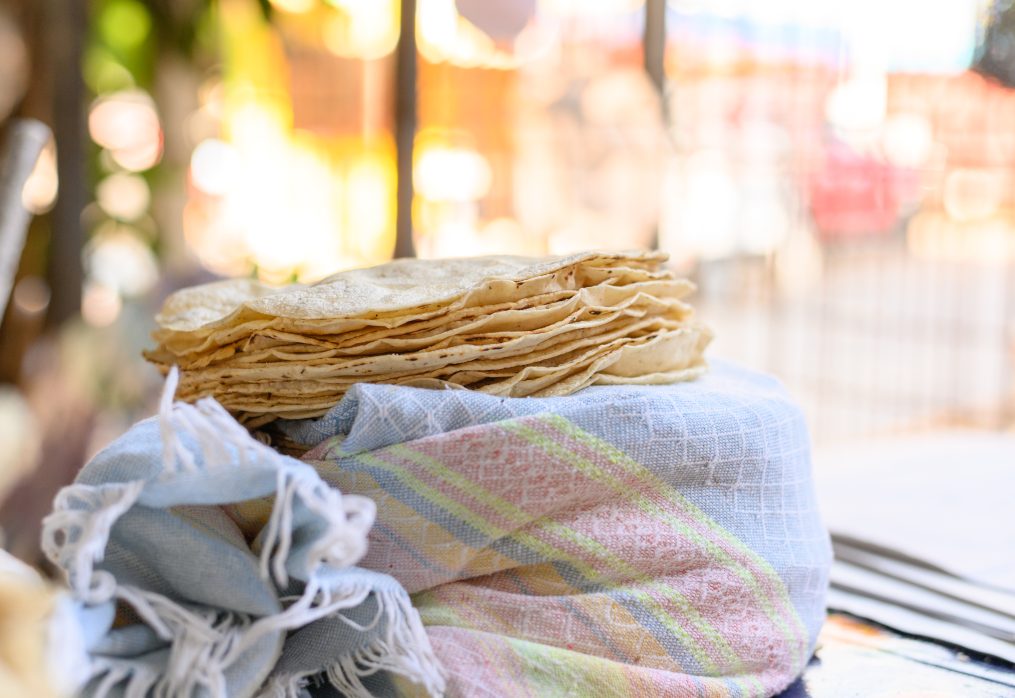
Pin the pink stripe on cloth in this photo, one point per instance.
(544, 559)
(473, 656)
(510, 486)
(556, 621)
(642, 481)
(483, 665)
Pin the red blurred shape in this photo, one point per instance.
(853, 194)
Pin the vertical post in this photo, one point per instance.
(69, 22)
(405, 126)
(654, 43)
(654, 57)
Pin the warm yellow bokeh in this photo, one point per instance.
(276, 199)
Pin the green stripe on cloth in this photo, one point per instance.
(796, 634)
(553, 552)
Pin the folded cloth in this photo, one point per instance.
(625, 540)
(175, 601)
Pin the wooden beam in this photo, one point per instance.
(654, 43)
(406, 116)
(654, 56)
(68, 22)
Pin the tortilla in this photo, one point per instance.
(551, 354)
(502, 319)
(508, 326)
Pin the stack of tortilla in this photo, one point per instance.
(510, 326)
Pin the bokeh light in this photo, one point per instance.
(119, 262)
(127, 124)
(363, 29)
(451, 173)
(215, 166)
(40, 190)
(858, 105)
(280, 186)
(124, 24)
(123, 196)
(31, 295)
(100, 305)
(908, 139)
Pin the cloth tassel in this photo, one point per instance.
(198, 438)
(404, 650)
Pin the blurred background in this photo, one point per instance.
(838, 177)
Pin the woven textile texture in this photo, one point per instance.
(621, 541)
(642, 541)
(174, 600)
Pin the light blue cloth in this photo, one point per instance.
(204, 612)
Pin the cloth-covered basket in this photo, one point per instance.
(625, 540)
